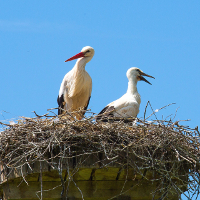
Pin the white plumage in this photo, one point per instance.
(128, 105)
(76, 87)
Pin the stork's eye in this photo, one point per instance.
(87, 51)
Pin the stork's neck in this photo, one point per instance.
(132, 86)
(81, 63)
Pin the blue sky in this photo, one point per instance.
(162, 38)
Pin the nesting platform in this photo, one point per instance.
(54, 158)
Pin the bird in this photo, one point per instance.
(76, 87)
(128, 105)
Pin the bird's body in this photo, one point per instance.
(76, 87)
(128, 105)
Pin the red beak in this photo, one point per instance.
(79, 55)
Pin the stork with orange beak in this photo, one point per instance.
(76, 87)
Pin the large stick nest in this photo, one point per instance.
(166, 147)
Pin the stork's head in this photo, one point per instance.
(136, 74)
(86, 52)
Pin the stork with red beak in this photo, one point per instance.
(76, 87)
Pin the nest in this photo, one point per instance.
(167, 148)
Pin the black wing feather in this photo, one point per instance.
(61, 104)
(105, 113)
(85, 108)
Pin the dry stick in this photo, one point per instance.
(47, 190)
(126, 172)
(23, 176)
(60, 173)
(148, 102)
(40, 116)
(6, 124)
(154, 111)
(41, 180)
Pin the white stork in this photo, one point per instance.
(128, 105)
(76, 87)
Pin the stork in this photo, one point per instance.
(76, 87)
(128, 105)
